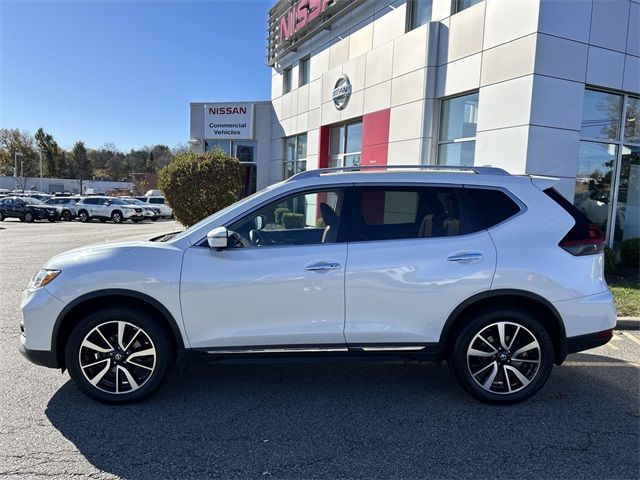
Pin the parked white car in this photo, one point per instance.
(498, 275)
(158, 202)
(107, 208)
(150, 213)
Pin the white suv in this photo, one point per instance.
(108, 208)
(498, 275)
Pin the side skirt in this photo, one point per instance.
(315, 354)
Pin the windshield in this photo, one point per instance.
(32, 201)
(117, 201)
(239, 203)
(133, 201)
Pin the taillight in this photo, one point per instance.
(583, 239)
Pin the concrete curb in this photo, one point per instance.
(628, 323)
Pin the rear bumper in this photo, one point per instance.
(588, 341)
(587, 315)
(44, 358)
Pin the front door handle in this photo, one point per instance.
(321, 266)
(465, 257)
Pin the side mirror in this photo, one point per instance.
(260, 222)
(107, 203)
(218, 238)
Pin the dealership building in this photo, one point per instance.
(544, 87)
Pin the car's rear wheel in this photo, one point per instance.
(502, 356)
(116, 217)
(118, 355)
(1, 217)
(66, 215)
(83, 216)
(28, 217)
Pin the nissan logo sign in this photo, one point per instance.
(341, 92)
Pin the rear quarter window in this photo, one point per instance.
(493, 206)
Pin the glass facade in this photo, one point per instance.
(304, 71)
(245, 151)
(464, 4)
(457, 136)
(608, 180)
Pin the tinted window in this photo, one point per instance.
(494, 206)
(156, 200)
(301, 219)
(383, 213)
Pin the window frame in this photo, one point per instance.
(304, 71)
(340, 157)
(457, 9)
(287, 80)
(295, 161)
(411, 15)
(441, 142)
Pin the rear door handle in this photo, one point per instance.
(321, 266)
(465, 257)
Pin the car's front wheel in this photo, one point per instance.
(116, 217)
(502, 356)
(118, 355)
(83, 216)
(66, 215)
(28, 217)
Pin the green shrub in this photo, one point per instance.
(630, 253)
(609, 260)
(320, 223)
(197, 185)
(292, 220)
(278, 214)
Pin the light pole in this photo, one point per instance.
(15, 165)
(40, 153)
(22, 173)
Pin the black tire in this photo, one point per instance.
(153, 219)
(51, 220)
(1, 217)
(103, 220)
(103, 392)
(83, 216)
(135, 221)
(28, 217)
(519, 327)
(66, 216)
(116, 217)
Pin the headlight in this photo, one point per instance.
(43, 277)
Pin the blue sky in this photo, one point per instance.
(125, 71)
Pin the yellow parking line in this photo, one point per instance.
(603, 364)
(616, 337)
(631, 337)
(612, 346)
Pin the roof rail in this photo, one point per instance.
(485, 170)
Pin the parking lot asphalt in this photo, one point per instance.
(397, 420)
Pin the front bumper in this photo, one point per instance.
(44, 358)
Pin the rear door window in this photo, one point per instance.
(394, 213)
(494, 206)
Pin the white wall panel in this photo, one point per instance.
(459, 76)
(505, 148)
(507, 20)
(389, 25)
(505, 104)
(508, 61)
(361, 41)
(466, 31)
(410, 51)
(552, 151)
(377, 97)
(406, 121)
(408, 88)
(378, 65)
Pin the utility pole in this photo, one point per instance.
(22, 174)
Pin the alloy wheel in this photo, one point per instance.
(504, 357)
(117, 357)
(116, 217)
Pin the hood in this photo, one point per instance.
(81, 254)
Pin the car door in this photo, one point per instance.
(279, 285)
(415, 253)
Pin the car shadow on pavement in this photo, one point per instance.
(360, 420)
